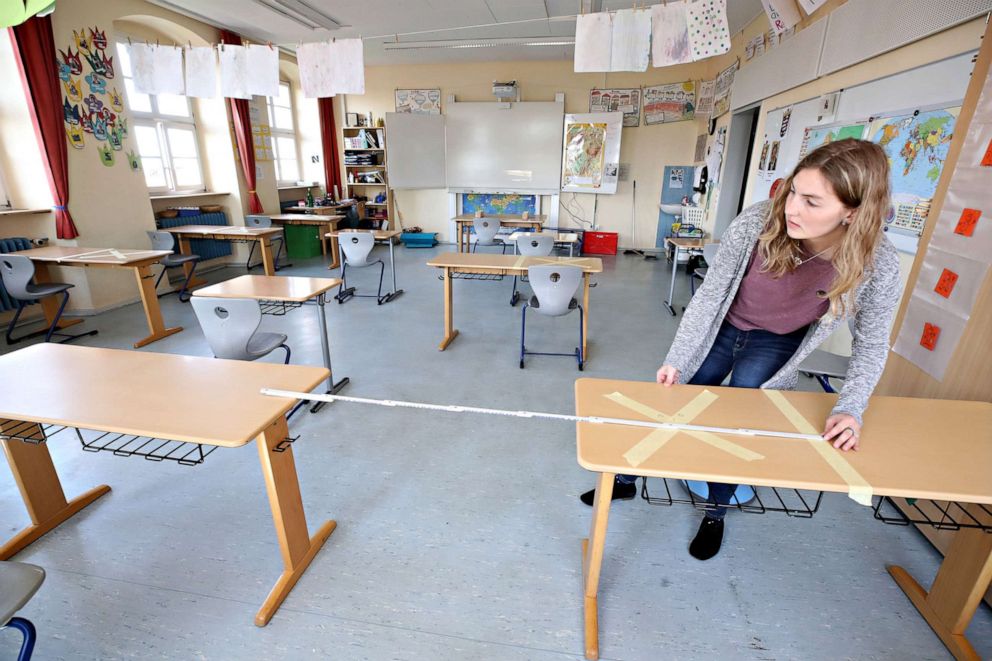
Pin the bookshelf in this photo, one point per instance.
(365, 170)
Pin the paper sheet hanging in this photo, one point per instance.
(234, 72)
(263, 70)
(782, 14)
(670, 35)
(314, 61)
(201, 72)
(142, 68)
(593, 42)
(630, 44)
(167, 70)
(928, 336)
(709, 31)
(347, 66)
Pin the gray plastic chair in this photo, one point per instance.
(709, 254)
(554, 288)
(824, 365)
(356, 246)
(486, 230)
(532, 244)
(17, 274)
(18, 583)
(231, 328)
(165, 241)
(264, 222)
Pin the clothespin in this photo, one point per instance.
(269, 44)
(190, 44)
(129, 41)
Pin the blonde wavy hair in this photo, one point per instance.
(858, 172)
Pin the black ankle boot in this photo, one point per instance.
(621, 491)
(708, 539)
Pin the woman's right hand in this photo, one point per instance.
(667, 375)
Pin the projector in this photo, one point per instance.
(506, 90)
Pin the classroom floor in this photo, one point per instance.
(458, 535)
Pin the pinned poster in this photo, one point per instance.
(704, 100)
(593, 42)
(950, 281)
(669, 35)
(142, 67)
(263, 68)
(315, 70)
(782, 14)
(929, 336)
(234, 72)
(630, 43)
(201, 72)
(709, 31)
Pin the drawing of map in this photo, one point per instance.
(917, 146)
(499, 203)
(818, 136)
(584, 155)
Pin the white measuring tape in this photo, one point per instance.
(674, 426)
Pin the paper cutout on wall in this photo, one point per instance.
(593, 42)
(98, 85)
(782, 14)
(630, 45)
(72, 61)
(929, 349)
(201, 72)
(64, 71)
(116, 100)
(674, 102)
(106, 155)
(950, 282)
(670, 35)
(709, 32)
(263, 68)
(81, 40)
(75, 135)
(98, 38)
(72, 89)
(133, 161)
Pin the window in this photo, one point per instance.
(284, 136)
(165, 133)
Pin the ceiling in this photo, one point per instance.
(426, 30)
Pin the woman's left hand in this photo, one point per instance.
(844, 430)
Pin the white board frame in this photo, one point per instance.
(415, 151)
(614, 126)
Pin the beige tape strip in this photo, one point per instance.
(520, 262)
(858, 488)
(654, 441)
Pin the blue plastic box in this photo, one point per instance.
(419, 239)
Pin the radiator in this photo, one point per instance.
(11, 245)
(205, 248)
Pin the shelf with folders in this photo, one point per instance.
(366, 176)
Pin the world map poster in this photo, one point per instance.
(817, 136)
(498, 204)
(917, 146)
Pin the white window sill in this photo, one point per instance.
(22, 212)
(295, 187)
(173, 196)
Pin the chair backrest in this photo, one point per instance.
(260, 222)
(162, 240)
(356, 246)
(16, 272)
(554, 286)
(485, 230)
(709, 252)
(228, 324)
(534, 244)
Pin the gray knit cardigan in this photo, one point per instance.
(876, 299)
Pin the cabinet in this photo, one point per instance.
(365, 172)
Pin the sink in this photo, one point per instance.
(674, 209)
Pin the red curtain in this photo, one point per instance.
(329, 140)
(242, 132)
(34, 50)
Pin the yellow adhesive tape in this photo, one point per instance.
(520, 262)
(656, 439)
(858, 488)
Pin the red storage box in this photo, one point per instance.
(599, 243)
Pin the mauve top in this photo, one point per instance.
(785, 304)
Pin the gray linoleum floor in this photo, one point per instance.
(458, 536)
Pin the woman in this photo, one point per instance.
(788, 272)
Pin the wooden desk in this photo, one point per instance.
(226, 233)
(570, 238)
(196, 400)
(380, 235)
(285, 289)
(139, 261)
(933, 449)
(494, 264)
(464, 224)
(325, 223)
(679, 244)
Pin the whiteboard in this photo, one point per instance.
(498, 147)
(604, 173)
(415, 150)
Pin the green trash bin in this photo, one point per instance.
(302, 241)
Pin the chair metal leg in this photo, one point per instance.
(183, 291)
(382, 272)
(578, 349)
(58, 315)
(345, 292)
(523, 333)
(288, 353)
(251, 252)
(13, 322)
(514, 296)
(30, 635)
(165, 269)
(825, 383)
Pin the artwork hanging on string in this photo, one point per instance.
(418, 102)
(704, 98)
(627, 101)
(673, 102)
(724, 84)
(670, 35)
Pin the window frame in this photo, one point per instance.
(270, 105)
(5, 202)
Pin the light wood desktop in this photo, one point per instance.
(910, 448)
(197, 400)
(264, 237)
(285, 289)
(139, 261)
(464, 225)
(325, 223)
(679, 244)
(496, 264)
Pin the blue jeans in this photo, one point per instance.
(750, 358)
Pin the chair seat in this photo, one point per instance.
(700, 272)
(825, 363)
(534, 303)
(262, 343)
(177, 260)
(47, 288)
(18, 583)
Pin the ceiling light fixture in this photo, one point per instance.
(301, 12)
(476, 43)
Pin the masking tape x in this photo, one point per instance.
(657, 439)
(858, 488)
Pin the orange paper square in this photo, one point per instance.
(967, 221)
(930, 335)
(987, 159)
(945, 285)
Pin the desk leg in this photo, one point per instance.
(323, 239)
(265, 243)
(335, 262)
(153, 313)
(41, 491)
(332, 388)
(395, 293)
(297, 547)
(463, 237)
(592, 560)
(50, 304)
(962, 579)
(185, 250)
(450, 333)
(585, 316)
(670, 303)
